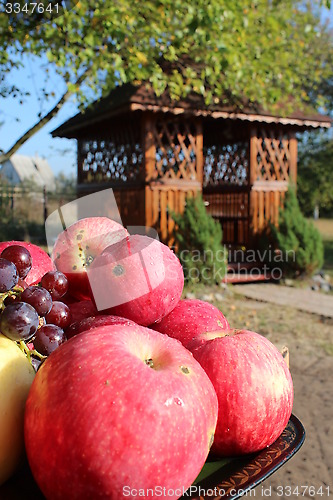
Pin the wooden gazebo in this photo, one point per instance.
(155, 152)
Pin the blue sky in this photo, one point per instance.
(18, 118)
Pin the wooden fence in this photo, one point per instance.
(23, 212)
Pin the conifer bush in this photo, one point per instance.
(298, 240)
(199, 243)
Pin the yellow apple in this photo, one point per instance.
(16, 376)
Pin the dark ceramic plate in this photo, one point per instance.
(229, 478)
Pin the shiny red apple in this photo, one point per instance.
(41, 261)
(116, 409)
(138, 278)
(86, 324)
(76, 248)
(81, 310)
(189, 319)
(254, 389)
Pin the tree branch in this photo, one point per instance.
(40, 124)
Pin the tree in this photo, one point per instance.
(65, 184)
(300, 243)
(226, 50)
(199, 243)
(315, 174)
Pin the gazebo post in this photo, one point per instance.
(149, 151)
(251, 179)
(293, 158)
(199, 151)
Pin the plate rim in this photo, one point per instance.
(248, 472)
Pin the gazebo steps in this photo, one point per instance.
(237, 278)
(243, 266)
(246, 272)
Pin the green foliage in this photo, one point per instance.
(315, 174)
(22, 230)
(199, 241)
(262, 51)
(15, 223)
(297, 239)
(65, 184)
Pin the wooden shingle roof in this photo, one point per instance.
(129, 98)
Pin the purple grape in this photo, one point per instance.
(38, 298)
(56, 283)
(48, 338)
(60, 315)
(8, 275)
(20, 256)
(10, 299)
(19, 321)
(36, 363)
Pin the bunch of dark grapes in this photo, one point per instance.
(33, 314)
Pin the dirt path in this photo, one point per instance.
(310, 341)
(303, 300)
(312, 465)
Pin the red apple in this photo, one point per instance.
(253, 386)
(87, 324)
(68, 299)
(41, 261)
(189, 319)
(138, 278)
(82, 309)
(77, 247)
(117, 409)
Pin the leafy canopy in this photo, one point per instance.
(267, 51)
(262, 49)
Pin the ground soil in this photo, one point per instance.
(309, 338)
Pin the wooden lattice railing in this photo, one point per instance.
(153, 164)
(173, 165)
(273, 156)
(117, 158)
(175, 150)
(226, 164)
(273, 165)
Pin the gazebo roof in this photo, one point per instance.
(129, 98)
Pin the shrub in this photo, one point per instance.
(297, 239)
(199, 243)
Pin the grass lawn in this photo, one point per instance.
(325, 227)
(281, 325)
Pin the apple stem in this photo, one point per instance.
(17, 290)
(24, 348)
(2, 298)
(37, 354)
